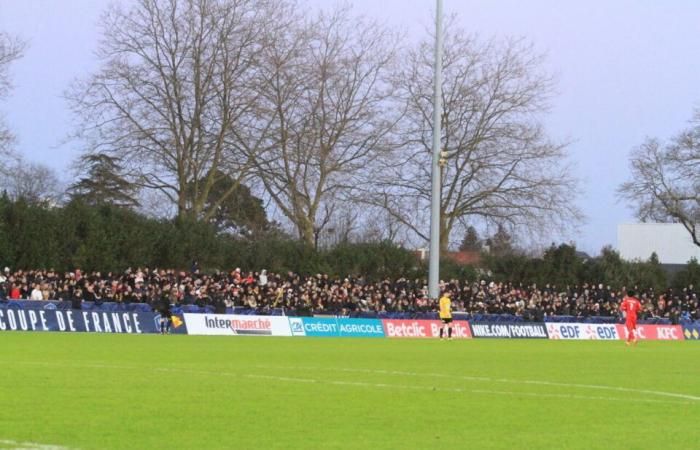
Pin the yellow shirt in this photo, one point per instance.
(445, 308)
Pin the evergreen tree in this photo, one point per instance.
(500, 243)
(471, 241)
(561, 265)
(240, 212)
(103, 183)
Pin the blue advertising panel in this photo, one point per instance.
(335, 327)
(691, 332)
(360, 328)
(320, 326)
(84, 321)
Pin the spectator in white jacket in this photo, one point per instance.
(36, 293)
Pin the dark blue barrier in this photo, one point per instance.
(132, 322)
(194, 309)
(34, 304)
(85, 306)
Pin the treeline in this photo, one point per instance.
(110, 238)
(563, 266)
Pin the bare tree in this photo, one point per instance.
(35, 183)
(11, 49)
(325, 89)
(175, 97)
(665, 180)
(499, 167)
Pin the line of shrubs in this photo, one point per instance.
(109, 238)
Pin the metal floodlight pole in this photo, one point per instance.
(434, 271)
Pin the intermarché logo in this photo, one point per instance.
(240, 326)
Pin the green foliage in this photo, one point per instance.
(514, 267)
(103, 183)
(107, 237)
(240, 212)
(648, 274)
(561, 266)
(450, 270)
(377, 261)
(689, 275)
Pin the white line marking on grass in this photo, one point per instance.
(29, 445)
(490, 380)
(428, 388)
(693, 399)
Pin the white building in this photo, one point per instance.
(671, 242)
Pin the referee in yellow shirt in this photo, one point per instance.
(446, 315)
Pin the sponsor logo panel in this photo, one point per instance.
(236, 325)
(509, 330)
(654, 332)
(337, 327)
(81, 321)
(423, 329)
(320, 326)
(691, 332)
(360, 328)
(296, 324)
(582, 331)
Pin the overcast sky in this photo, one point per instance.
(625, 69)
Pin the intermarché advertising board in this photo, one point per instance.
(237, 325)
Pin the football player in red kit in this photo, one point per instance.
(631, 306)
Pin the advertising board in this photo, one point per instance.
(654, 332)
(237, 325)
(335, 327)
(423, 329)
(508, 330)
(582, 331)
(691, 332)
(82, 321)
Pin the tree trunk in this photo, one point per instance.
(306, 231)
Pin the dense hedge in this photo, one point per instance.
(562, 266)
(109, 238)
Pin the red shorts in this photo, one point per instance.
(631, 325)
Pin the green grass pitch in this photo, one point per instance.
(93, 391)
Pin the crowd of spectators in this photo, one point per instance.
(322, 294)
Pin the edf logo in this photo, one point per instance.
(605, 333)
(569, 332)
